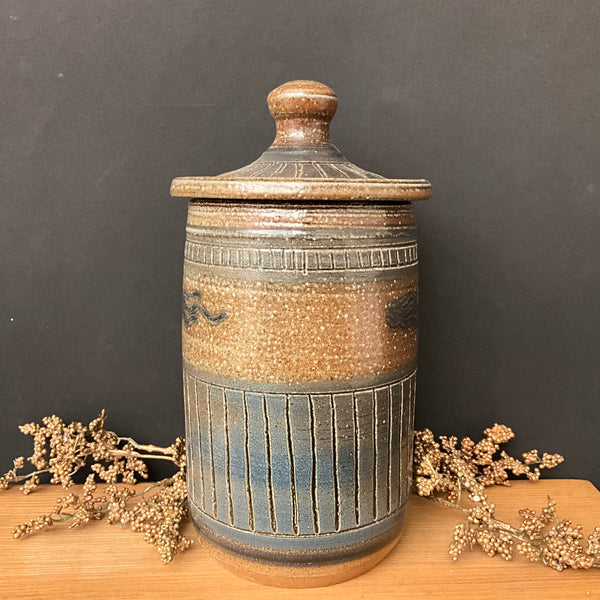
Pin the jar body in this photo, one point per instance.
(299, 357)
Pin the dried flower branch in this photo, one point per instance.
(450, 473)
(61, 450)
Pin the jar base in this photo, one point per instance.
(298, 577)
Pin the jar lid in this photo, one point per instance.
(302, 164)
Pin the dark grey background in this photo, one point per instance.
(496, 103)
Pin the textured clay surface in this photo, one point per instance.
(288, 333)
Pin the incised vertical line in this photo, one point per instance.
(212, 453)
(356, 459)
(288, 427)
(411, 428)
(412, 404)
(390, 449)
(268, 459)
(189, 424)
(401, 473)
(198, 426)
(375, 440)
(336, 478)
(227, 459)
(247, 464)
(313, 454)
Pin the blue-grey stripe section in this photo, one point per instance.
(300, 542)
(258, 462)
(216, 397)
(300, 434)
(382, 409)
(395, 424)
(280, 463)
(296, 464)
(411, 429)
(346, 460)
(406, 436)
(192, 432)
(201, 392)
(324, 453)
(237, 458)
(365, 403)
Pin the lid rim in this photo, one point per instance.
(401, 190)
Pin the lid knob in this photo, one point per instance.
(302, 111)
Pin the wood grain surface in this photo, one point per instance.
(103, 561)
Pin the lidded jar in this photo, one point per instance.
(299, 353)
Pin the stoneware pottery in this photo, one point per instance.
(299, 353)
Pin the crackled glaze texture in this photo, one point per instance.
(299, 352)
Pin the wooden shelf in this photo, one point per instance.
(103, 561)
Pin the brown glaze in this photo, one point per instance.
(302, 164)
(325, 189)
(302, 111)
(259, 215)
(308, 576)
(289, 333)
(297, 331)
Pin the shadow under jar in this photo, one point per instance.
(299, 353)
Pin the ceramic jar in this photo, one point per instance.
(299, 353)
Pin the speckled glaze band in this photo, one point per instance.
(299, 347)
